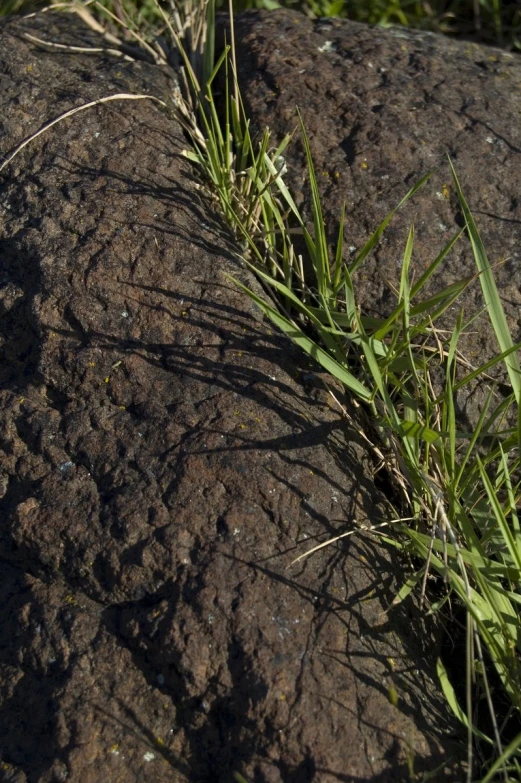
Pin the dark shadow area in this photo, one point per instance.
(348, 145)
(20, 350)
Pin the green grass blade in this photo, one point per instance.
(513, 747)
(404, 294)
(376, 236)
(209, 47)
(484, 368)
(312, 349)
(321, 259)
(490, 293)
(333, 346)
(502, 523)
(450, 695)
(448, 403)
(473, 440)
(337, 278)
(417, 287)
(282, 188)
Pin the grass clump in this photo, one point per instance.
(456, 493)
(459, 491)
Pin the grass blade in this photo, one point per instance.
(490, 293)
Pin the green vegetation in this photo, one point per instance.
(458, 491)
(493, 21)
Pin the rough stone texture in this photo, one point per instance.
(383, 108)
(164, 456)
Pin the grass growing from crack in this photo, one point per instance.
(460, 496)
(458, 491)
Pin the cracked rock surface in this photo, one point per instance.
(164, 456)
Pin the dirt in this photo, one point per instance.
(382, 108)
(164, 457)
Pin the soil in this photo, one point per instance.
(382, 108)
(164, 456)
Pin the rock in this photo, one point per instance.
(164, 460)
(383, 107)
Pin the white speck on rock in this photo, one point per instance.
(328, 46)
(148, 756)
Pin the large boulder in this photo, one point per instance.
(383, 107)
(165, 455)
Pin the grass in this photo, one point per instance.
(492, 21)
(457, 491)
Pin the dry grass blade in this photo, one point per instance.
(99, 102)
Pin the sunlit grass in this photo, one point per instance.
(458, 491)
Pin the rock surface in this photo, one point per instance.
(383, 108)
(164, 456)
